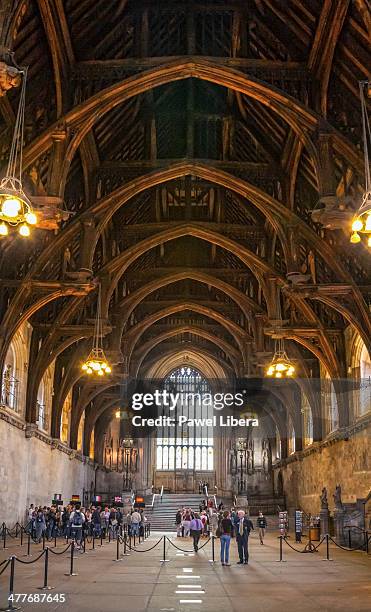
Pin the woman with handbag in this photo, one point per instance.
(226, 530)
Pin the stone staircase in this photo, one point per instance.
(162, 515)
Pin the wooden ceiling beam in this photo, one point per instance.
(119, 68)
(322, 52)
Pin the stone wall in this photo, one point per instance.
(326, 464)
(32, 470)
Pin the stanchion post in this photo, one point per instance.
(212, 550)
(349, 539)
(126, 554)
(327, 548)
(164, 560)
(281, 560)
(21, 544)
(72, 573)
(4, 537)
(10, 606)
(93, 542)
(43, 540)
(45, 586)
(367, 541)
(28, 546)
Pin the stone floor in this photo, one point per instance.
(305, 583)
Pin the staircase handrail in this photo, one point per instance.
(153, 501)
(162, 492)
(215, 502)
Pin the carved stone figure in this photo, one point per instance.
(337, 498)
(324, 500)
(9, 77)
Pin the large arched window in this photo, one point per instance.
(307, 421)
(14, 375)
(10, 382)
(183, 447)
(365, 386)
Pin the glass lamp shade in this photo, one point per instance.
(361, 224)
(15, 207)
(280, 366)
(96, 363)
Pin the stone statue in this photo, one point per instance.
(324, 500)
(9, 77)
(337, 498)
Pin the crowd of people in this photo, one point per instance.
(75, 521)
(224, 524)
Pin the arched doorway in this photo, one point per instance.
(185, 454)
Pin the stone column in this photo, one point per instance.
(324, 516)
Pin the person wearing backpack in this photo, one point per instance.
(196, 529)
(77, 520)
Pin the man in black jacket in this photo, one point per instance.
(242, 526)
(261, 522)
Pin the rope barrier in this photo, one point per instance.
(305, 550)
(7, 561)
(147, 549)
(29, 562)
(344, 548)
(62, 551)
(188, 551)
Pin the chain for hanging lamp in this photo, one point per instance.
(96, 363)
(362, 222)
(280, 366)
(15, 206)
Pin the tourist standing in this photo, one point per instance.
(261, 522)
(40, 524)
(187, 522)
(135, 522)
(243, 526)
(77, 520)
(178, 523)
(226, 531)
(196, 528)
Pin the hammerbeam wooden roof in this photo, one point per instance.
(175, 151)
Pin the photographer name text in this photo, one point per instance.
(182, 420)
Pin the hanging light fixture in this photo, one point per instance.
(280, 366)
(362, 221)
(15, 206)
(96, 362)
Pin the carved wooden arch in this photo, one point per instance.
(16, 316)
(365, 334)
(128, 304)
(140, 354)
(50, 349)
(117, 266)
(17, 12)
(208, 364)
(269, 206)
(83, 117)
(78, 410)
(134, 334)
(72, 375)
(119, 263)
(91, 419)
